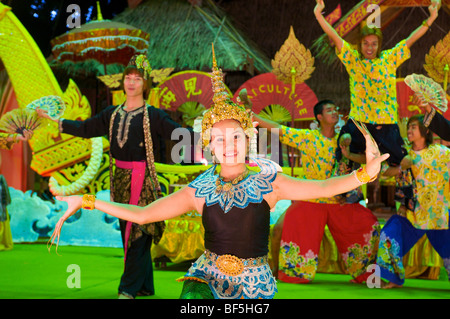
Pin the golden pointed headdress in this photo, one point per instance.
(223, 108)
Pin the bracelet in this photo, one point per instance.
(362, 177)
(88, 202)
(428, 117)
(425, 24)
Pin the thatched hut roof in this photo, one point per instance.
(181, 35)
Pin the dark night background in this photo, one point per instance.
(266, 22)
(46, 19)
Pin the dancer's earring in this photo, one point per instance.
(214, 158)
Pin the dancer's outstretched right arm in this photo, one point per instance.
(164, 208)
(167, 207)
(326, 27)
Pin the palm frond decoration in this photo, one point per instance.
(191, 110)
(276, 113)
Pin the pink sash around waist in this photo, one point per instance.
(137, 181)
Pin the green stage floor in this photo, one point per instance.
(29, 271)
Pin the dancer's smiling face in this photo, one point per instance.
(229, 142)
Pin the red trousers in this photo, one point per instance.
(354, 228)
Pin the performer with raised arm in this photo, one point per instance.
(372, 78)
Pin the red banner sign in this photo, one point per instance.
(186, 86)
(408, 3)
(265, 89)
(334, 16)
(355, 17)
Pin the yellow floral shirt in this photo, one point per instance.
(318, 154)
(431, 169)
(373, 91)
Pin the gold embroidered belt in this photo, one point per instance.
(231, 265)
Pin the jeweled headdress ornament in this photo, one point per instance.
(223, 108)
(141, 63)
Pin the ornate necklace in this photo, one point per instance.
(222, 186)
(251, 189)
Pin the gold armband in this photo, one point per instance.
(88, 202)
(425, 24)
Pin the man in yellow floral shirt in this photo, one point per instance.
(300, 229)
(430, 166)
(372, 77)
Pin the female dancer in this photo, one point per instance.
(235, 204)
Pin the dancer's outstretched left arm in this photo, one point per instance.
(290, 188)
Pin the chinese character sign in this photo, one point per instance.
(186, 86)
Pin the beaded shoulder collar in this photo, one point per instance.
(250, 190)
